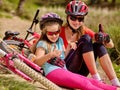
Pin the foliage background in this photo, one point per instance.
(105, 13)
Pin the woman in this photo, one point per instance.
(50, 55)
(87, 52)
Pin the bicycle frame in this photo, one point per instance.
(7, 57)
(13, 61)
(26, 42)
(22, 66)
(4, 57)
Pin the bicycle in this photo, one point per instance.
(23, 67)
(19, 44)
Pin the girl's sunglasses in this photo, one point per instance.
(74, 18)
(53, 33)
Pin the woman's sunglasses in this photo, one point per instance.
(74, 18)
(53, 33)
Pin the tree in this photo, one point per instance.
(20, 7)
(113, 2)
(1, 3)
(100, 2)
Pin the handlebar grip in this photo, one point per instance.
(34, 20)
(36, 14)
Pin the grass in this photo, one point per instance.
(10, 83)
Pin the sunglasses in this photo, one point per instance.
(53, 33)
(74, 18)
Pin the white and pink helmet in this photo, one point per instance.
(76, 7)
(50, 17)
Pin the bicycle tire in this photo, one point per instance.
(35, 75)
(13, 44)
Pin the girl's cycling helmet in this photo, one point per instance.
(76, 8)
(50, 17)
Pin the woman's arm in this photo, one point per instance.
(71, 45)
(109, 44)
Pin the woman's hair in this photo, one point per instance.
(80, 31)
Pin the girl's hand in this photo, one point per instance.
(56, 53)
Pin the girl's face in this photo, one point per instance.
(75, 21)
(53, 32)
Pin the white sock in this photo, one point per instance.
(115, 82)
(96, 76)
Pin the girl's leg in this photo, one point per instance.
(68, 79)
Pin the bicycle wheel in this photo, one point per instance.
(35, 75)
(14, 45)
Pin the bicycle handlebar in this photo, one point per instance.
(34, 21)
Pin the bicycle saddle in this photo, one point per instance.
(8, 33)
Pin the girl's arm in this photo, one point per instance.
(41, 57)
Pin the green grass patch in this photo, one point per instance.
(9, 83)
(117, 69)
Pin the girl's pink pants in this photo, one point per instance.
(66, 78)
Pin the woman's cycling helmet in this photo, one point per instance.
(50, 17)
(76, 8)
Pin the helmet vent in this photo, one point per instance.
(75, 8)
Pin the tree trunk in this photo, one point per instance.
(1, 2)
(113, 2)
(105, 0)
(20, 7)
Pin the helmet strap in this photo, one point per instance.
(73, 30)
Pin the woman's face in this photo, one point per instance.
(53, 32)
(75, 21)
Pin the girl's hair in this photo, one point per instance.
(44, 30)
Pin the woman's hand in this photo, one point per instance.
(73, 45)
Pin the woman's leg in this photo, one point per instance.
(88, 56)
(74, 60)
(100, 84)
(82, 60)
(76, 64)
(106, 63)
(90, 62)
(68, 79)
